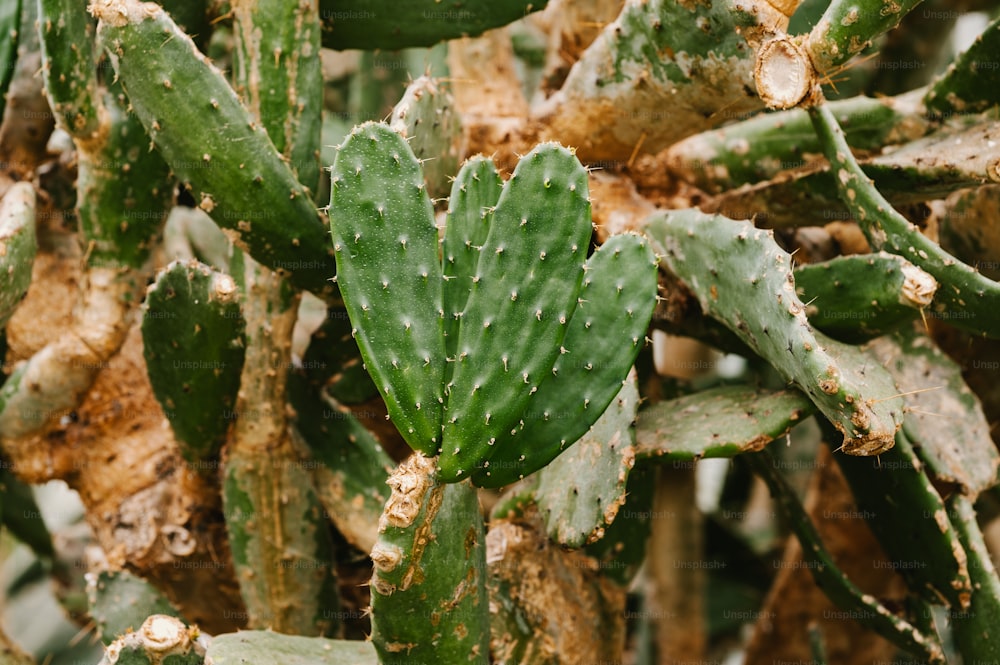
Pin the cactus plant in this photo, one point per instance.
(488, 312)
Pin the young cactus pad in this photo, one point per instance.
(193, 341)
(516, 289)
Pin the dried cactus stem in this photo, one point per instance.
(429, 599)
(160, 639)
(783, 73)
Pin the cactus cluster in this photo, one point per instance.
(376, 357)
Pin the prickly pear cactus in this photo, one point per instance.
(512, 369)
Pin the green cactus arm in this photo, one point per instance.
(474, 195)
(944, 418)
(277, 61)
(120, 601)
(760, 148)
(390, 276)
(10, 22)
(17, 238)
(906, 513)
(384, 24)
(281, 545)
(580, 493)
(829, 577)
(523, 295)
(214, 145)
(264, 647)
(975, 629)
(194, 346)
(972, 82)
(160, 639)
(428, 590)
(848, 26)
(859, 297)
(351, 467)
(427, 118)
(719, 422)
(743, 279)
(616, 303)
(69, 65)
(612, 102)
(966, 299)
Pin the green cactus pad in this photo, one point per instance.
(213, 144)
(161, 640)
(19, 246)
(384, 24)
(10, 21)
(719, 422)
(351, 467)
(428, 590)
(966, 299)
(744, 280)
(426, 117)
(194, 345)
(977, 629)
(263, 647)
(386, 245)
(908, 516)
(972, 82)
(523, 295)
(944, 418)
(616, 302)
(835, 584)
(474, 195)
(120, 602)
(277, 63)
(69, 64)
(580, 493)
(859, 297)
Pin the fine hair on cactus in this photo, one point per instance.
(499, 332)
